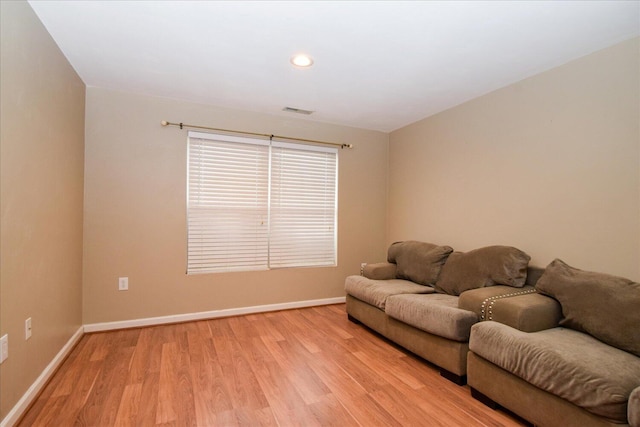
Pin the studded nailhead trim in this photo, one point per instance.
(486, 308)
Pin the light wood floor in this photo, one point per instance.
(309, 367)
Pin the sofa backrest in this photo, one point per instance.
(487, 266)
(419, 262)
(533, 274)
(604, 306)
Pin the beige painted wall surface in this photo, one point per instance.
(41, 152)
(135, 221)
(550, 165)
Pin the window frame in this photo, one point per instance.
(324, 240)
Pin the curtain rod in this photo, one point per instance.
(313, 141)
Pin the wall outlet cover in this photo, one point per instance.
(27, 328)
(4, 347)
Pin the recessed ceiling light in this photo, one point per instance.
(302, 60)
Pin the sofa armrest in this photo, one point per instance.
(479, 299)
(633, 408)
(520, 308)
(380, 271)
(528, 313)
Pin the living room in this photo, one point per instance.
(93, 189)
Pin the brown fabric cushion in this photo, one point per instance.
(604, 306)
(522, 308)
(418, 261)
(380, 271)
(569, 364)
(437, 314)
(492, 265)
(376, 292)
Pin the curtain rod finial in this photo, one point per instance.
(164, 123)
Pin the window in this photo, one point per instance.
(257, 204)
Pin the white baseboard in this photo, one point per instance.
(23, 404)
(177, 318)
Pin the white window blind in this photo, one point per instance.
(256, 205)
(227, 207)
(303, 205)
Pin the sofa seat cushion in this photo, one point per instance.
(569, 364)
(437, 314)
(376, 292)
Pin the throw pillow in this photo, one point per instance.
(419, 262)
(604, 306)
(492, 265)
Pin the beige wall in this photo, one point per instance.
(550, 164)
(135, 222)
(41, 152)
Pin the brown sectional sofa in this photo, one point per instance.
(413, 298)
(539, 344)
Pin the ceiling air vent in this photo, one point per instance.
(297, 110)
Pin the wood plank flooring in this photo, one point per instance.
(304, 367)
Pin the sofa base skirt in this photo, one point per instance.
(450, 356)
(529, 402)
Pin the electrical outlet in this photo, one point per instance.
(123, 284)
(362, 266)
(27, 328)
(4, 347)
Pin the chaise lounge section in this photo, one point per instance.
(583, 370)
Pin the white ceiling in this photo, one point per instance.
(378, 65)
